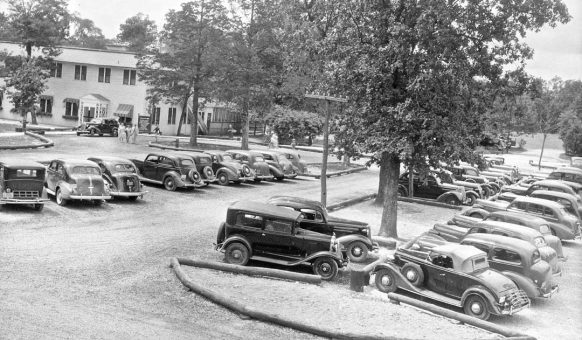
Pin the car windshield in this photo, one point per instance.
(124, 168)
(269, 157)
(259, 159)
(204, 160)
(226, 158)
(24, 173)
(480, 263)
(85, 170)
(186, 162)
(95, 121)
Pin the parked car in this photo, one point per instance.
(99, 126)
(203, 163)
(430, 186)
(568, 201)
(255, 161)
(172, 170)
(454, 274)
(228, 170)
(316, 218)
(526, 220)
(269, 233)
(562, 224)
(280, 166)
(569, 174)
(509, 192)
(72, 179)
(22, 182)
(470, 174)
(519, 261)
(299, 165)
(473, 191)
(121, 176)
(453, 233)
(576, 162)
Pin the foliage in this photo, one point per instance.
(192, 52)
(420, 75)
(26, 84)
(139, 31)
(289, 123)
(86, 34)
(571, 119)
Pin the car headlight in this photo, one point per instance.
(502, 300)
(183, 177)
(545, 229)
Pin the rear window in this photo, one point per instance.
(26, 173)
(278, 226)
(506, 256)
(86, 170)
(249, 220)
(186, 162)
(480, 263)
(204, 160)
(259, 159)
(124, 168)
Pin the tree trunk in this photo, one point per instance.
(542, 152)
(244, 145)
(194, 120)
(33, 120)
(382, 179)
(183, 114)
(388, 227)
(411, 181)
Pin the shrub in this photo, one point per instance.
(289, 124)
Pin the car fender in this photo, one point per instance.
(401, 281)
(65, 189)
(324, 253)
(555, 243)
(403, 188)
(524, 283)
(232, 176)
(443, 197)
(562, 231)
(275, 171)
(176, 175)
(347, 239)
(484, 292)
(237, 238)
(96, 129)
(476, 210)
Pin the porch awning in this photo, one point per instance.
(124, 110)
(71, 100)
(45, 97)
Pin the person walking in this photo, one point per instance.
(127, 133)
(133, 133)
(121, 132)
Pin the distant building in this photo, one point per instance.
(88, 83)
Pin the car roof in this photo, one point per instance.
(558, 194)
(295, 202)
(111, 159)
(265, 209)
(76, 162)
(21, 163)
(569, 170)
(510, 227)
(242, 152)
(556, 183)
(197, 154)
(521, 216)
(175, 155)
(539, 201)
(458, 252)
(502, 241)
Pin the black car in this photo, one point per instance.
(431, 186)
(228, 170)
(121, 176)
(22, 182)
(269, 233)
(203, 163)
(99, 126)
(172, 170)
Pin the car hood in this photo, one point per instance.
(495, 281)
(231, 165)
(467, 184)
(450, 187)
(345, 222)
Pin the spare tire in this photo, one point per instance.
(246, 170)
(194, 176)
(208, 173)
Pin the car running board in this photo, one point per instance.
(434, 296)
(276, 261)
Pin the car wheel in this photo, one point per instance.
(237, 253)
(326, 267)
(258, 180)
(413, 273)
(476, 306)
(59, 198)
(222, 178)
(280, 178)
(385, 281)
(357, 251)
(476, 215)
(132, 198)
(453, 201)
(471, 198)
(38, 207)
(170, 183)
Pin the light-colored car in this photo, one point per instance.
(299, 165)
(71, 179)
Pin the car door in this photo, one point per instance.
(166, 164)
(313, 220)
(439, 273)
(277, 238)
(150, 166)
(52, 175)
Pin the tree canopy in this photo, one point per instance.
(139, 31)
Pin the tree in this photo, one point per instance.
(86, 34)
(26, 85)
(420, 74)
(571, 119)
(139, 31)
(193, 51)
(289, 123)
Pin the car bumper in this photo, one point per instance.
(22, 201)
(550, 293)
(265, 177)
(89, 198)
(128, 193)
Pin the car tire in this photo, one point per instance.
(357, 251)
(471, 198)
(38, 206)
(326, 267)
(59, 198)
(237, 253)
(222, 178)
(78, 133)
(453, 201)
(170, 183)
(132, 198)
(413, 273)
(385, 281)
(476, 306)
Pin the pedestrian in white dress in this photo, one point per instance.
(121, 132)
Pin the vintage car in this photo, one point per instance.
(494, 159)
(72, 179)
(22, 182)
(430, 186)
(255, 161)
(299, 165)
(576, 162)
(228, 170)
(203, 163)
(526, 220)
(172, 170)
(569, 201)
(473, 191)
(518, 260)
(562, 224)
(569, 174)
(509, 192)
(315, 218)
(470, 174)
(453, 274)
(99, 126)
(280, 166)
(453, 233)
(121, 176)
(269, 233)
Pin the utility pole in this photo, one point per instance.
(328, 100)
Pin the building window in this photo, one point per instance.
(172, 116)
(129, 77)
(156, 115)
(104, 75)
(46, 105)
(57, 70)
(71, 109)
(80, 72)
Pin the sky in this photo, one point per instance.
(557, 51)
